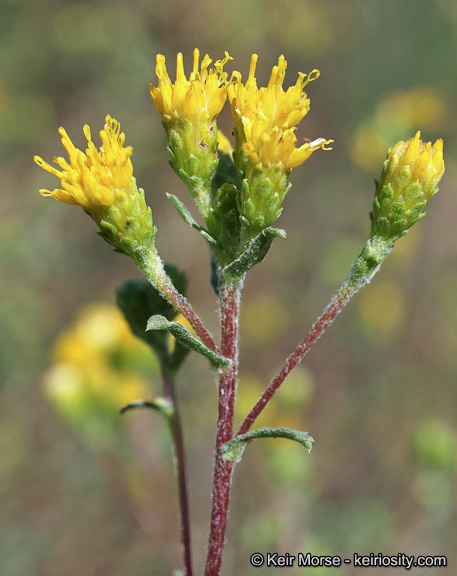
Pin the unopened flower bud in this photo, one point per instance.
(409, 179)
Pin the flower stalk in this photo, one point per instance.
(174, 421)
(409, 178)
(154, 271)
(362, 272)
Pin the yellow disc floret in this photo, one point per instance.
(271, 145)
(281, 109)
(93, 178)
(424, 161)
(265, 118)
(204, 93)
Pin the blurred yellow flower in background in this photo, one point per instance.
(382, 307)
(96, 370)
(289, 407)
(396, 115)
(423, 107)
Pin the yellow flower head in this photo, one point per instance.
(203, 94)
(102, 183)
(418, 161)
(189, 109)
(409, 179)
(92, 179)
(266, 118)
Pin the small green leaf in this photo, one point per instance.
(189, 219)
(254, 252)
(157, 323)
(185, 337)
(233, 450)
(158, 403)
(139, 300)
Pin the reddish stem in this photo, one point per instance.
(230, 299)
(180, 466)
(182, 305)
(329, 314)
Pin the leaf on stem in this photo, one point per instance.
(254, 252)
(233, 450)
(183, 336)
(189, 219)
(139, 300)
(158, 403)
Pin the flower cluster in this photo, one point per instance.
(265, 152)
(189, 109)
(242, 196)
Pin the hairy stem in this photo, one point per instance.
(153, 268)
(180, 467)
(229, 304)
(182, 305)
(333, 309)
(365, 267)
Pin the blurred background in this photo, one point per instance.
(86, 491)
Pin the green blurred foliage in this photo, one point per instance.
(378, 391)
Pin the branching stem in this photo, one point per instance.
(365, 267)
(182, 305)
(329, 314)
